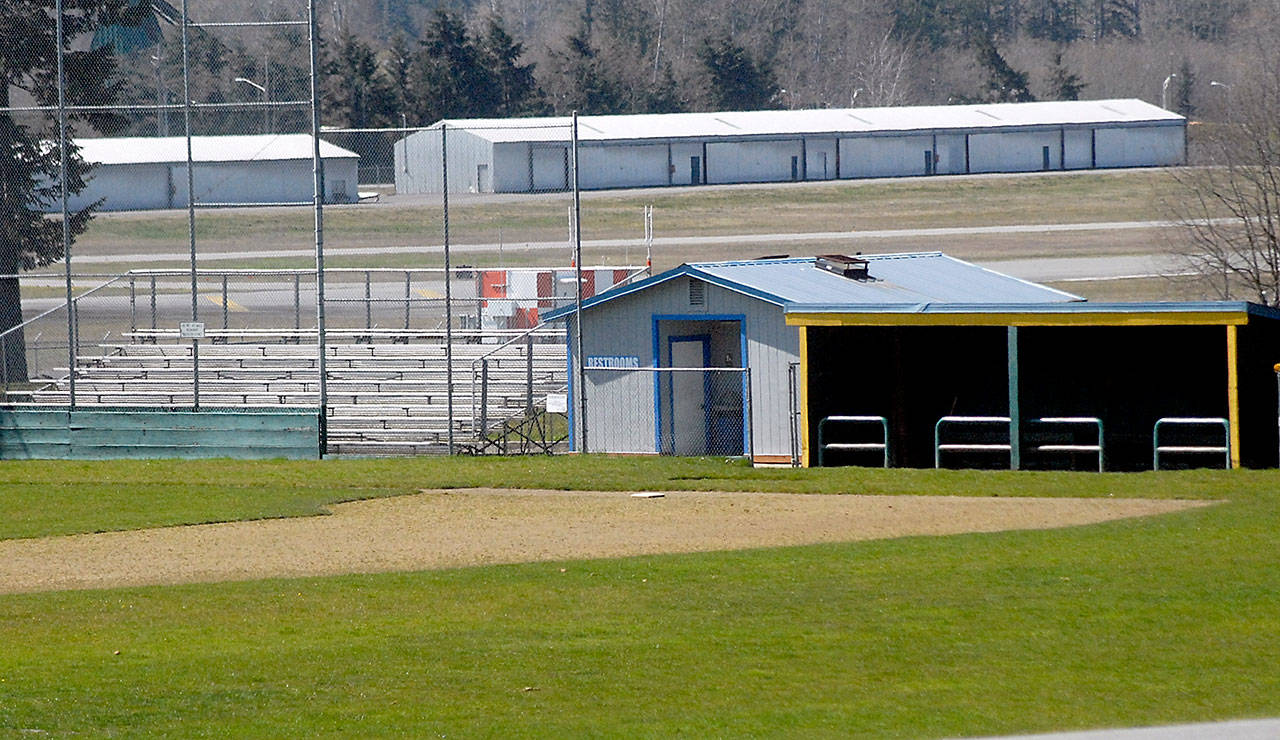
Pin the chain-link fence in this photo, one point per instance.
(224, 248)
(668, 411)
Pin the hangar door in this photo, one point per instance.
(549, 168)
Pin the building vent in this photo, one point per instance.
(854, 268)
(697, 293)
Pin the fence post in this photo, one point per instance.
(750, 420)
(153, 302)
(133, 305)
(407, 298)
(368, 302)
(528, 376)
(484, 399)
(297, 302)
(224, 301)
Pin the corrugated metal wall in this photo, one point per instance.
(521, 167)
(156, 186)
(417, 163)
(624, 327)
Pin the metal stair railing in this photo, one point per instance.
(1157, 449)
(882, 445)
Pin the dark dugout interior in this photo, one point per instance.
(1129, 376)
(1259, 352)
(910, 375)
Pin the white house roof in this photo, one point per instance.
(173, 149)
(843, 120)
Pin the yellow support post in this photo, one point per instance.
(1233, 393)
(804, 396)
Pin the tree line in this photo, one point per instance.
(413, 62)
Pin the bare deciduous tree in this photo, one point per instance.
(1230, 207)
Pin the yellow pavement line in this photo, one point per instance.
(428, 293)
(231, 306)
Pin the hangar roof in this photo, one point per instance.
(902, 282)
(830, 120)
(173, 149)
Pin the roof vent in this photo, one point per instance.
(854, 268)
(697, 293)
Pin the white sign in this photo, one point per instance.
(557, 403)
(191, 330)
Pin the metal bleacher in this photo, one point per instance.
(387, 393)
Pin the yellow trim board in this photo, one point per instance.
(804, 397)
(1233, 393)
(1153, 318)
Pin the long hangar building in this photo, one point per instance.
(532, 154)
(146, 173)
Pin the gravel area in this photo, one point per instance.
(466, 527)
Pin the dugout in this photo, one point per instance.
(1127, 365)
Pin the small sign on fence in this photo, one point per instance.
(557, 403)
(191, 330)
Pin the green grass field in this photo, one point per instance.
(1144, 621)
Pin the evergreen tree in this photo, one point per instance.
(448, 76)
(1055, 20)
(1004, 83)
(517, 90)
(580, 79)
(737, 80)
(399, 66)
(1063, 83)
(29, 177)
(1117, 18)
(1186, 85)
(356, 92)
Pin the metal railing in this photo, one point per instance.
(823, 445)
(1071, 447)
(939, 447)
(1193, 421)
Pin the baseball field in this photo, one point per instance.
(537, 597)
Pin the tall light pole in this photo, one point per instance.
(266, 111)
(162, 97)
(1226, 89)
(1164, 90)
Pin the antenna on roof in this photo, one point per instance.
(648, 240)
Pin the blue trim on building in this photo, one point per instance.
(573, 402)
(655, 320)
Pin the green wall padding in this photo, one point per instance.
(140, 433)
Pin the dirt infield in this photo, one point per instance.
(457, 528)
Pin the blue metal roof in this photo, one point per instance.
(897, 282)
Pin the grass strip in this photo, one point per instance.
(1136, 622)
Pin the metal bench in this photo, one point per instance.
(939, 447)
(1158, 449)
(882, 445)
(1070, 447)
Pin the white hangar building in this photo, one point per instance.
(733, 315)
(144, 173)
(532, 154)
